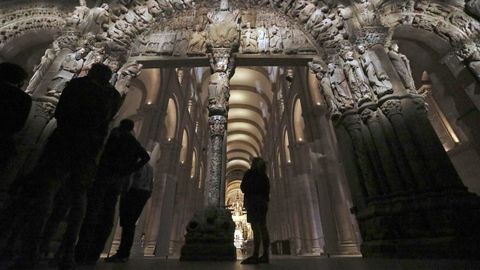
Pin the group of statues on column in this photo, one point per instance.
(358, 77)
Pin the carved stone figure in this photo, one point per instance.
(301, 43)
(223, 28)
(126, 75)
(249, 40)
(378, 78)
(340, 87)
(263, 44)
(297, 7)
(402, 66)
(79, 14)
(218, 93)
(71, 66)
(470, 55)
(197, 44)
(358, 81)
(181, 42)
(161, 43)
(41, 69)
(306, 12)
(154, 8)
(96, 19)
(275, 39)
(367, 12)
(316, 19)
(95, 56)
(288, 41)
(325, 87)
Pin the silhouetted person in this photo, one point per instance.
(131, 206)
(14, 107)
(256, 187)
(68, 163)
(122, 156)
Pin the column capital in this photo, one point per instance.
(217, 125)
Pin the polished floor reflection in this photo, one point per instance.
(288, 263)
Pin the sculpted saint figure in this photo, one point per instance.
(306, 12)
(379, 80)
(126, 75)
(197, 44)
(276, 43)
(181, 42)
(218, 92)
(79, 14)
(358, 81)
(325, 87)
(96, 19)
(402, 66)
(262, 38)
(249, 40)
(223, 28)
(340, 86)
(71, 66)
(42, 68)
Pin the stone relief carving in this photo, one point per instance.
(469, 53)
(275, 39)
(378, 78)
(79, 14)
(95, 20)
(71, 66)
(249, 42)
(288, 40)
(126, 75)
(325, 88)
(41, 69)
(263, 38)
(402, 66)
(197, 44)
(181, 42)
(472, 7)
(161, 43)
(223, 28)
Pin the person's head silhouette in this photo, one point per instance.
(12, 74)
(258, 165)
(100, 73)
(126, 125)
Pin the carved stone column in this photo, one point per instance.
(217, 126)
(210, 233)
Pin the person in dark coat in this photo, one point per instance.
(14, 107)
(131, 206)
(122, 155)
(68, 163)
(256, 188)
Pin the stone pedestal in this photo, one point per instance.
(210, 236)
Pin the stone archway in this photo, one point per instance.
(394, 158)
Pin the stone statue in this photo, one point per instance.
(297, 7)
(249, 40)
(95, 20)
(223, 28)
(307, 11)
(275, 39)
(402, 66)
(358, 81)
(197, 44)
(71, 66)
(263, 44)
(325, 87)
(126, 75)
(470, 55)
(41, 69)
(249, 16)
(316, 19)
(340, 87)
(181, 42)
(218, 92)
(154, 8)
(378, 78)
(367, 13)
(79, 14)
(95, 56)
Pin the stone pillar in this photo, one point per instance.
(217, 126)
(210, 233)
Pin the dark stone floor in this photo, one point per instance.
(291, 263)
